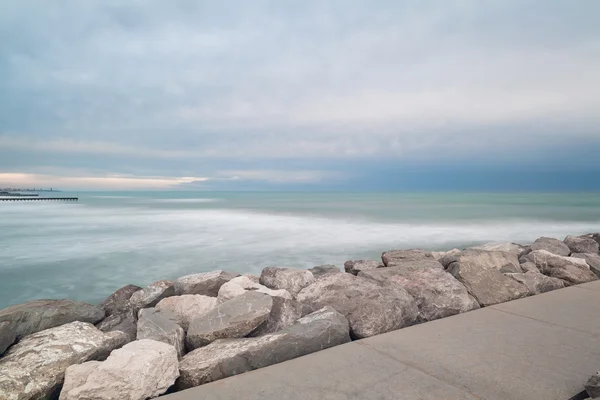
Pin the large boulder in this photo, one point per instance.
(118, 302)
(592, 387)
(383, 274)
(355, 266)
(7, 335)
(285, 312)
(291, 279)
(593, 260)
(245, 283)
(233, 319)
(501, 260)
(140, 370)
(529, 266)
(536, 282)
(124, 321)
(227, 357)
(206, 283)
(322, 270)
(479, 272)
(438, 255)
(37, 315)
(437, 293)
(572, 270)
(187, 307)
(395, 258)
(594, 236)
(152, 294)
(506, 247)
(161, 325)
(582, 244)
(551, 245)
(370, 308)
(35, 367)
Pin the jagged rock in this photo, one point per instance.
(245, 283)
(506, 247)
(227, 357)
(161, 325)
(355, 266)
(438, 255)
(537, 283)
(479, 272)
(187, 307)
(383, 274)
(322, 270)
(572, 270)
(370, 308)
(284, 313)
(291, 279)
(501, 260)
(594, 236)
(140, 370)
(582, 244)
(118, 302)
(124, 321)
(233, 319)
(7, 335)
(34, 368)
(37, 315)
(593, 260)
(207, 283)
(529, 266)
(437, 293)
(592, 387)
(152, 294)
(395, 258)
(551, 245)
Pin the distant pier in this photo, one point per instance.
(27, 198)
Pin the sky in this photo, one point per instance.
(300, 95)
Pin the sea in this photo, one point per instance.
(85, 250)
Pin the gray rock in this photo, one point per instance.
(506, 247)
(593, 260)
(439, 255)
(592, 387)
(233, 319)
(207, 283)
(437, 293)
(242, 284)
(394, 258)
(578, 244)
(118, 302)
(537, 283)
(355, 266)
(34, 368)
(551, 245)
(140, 370)
(227, 357)
(37, 315)
(479, 272)
(501, 260)
(572, 270)
(285, 312)
(370, 308)
(322, 270)
(124, 321)
(291, 279)
(187, 307)
(383, 274)
(7, 335)
(594, 236)
(152, 294)
(529, 266)
(161, 325)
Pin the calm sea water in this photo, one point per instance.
(86, 250)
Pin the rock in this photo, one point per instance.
(370, 308)
(506, 247)
(118, 302)
(187, 307)
(479, 272)
(124, 321)
(37, 315)
(383, 274)
(438, 255)
(537, 283)
(529, 266)
(501, 260)
(592, 387)
(233, 319)
(291, 279)
(207, 283)
(138, 371)
(582, 244)
(593, 260)
(322, 270)
(34, 368)
(393, 258)
(551, 245)
(227, 357)
(7, 335)
(594, 236)
(437, 293)
(355, 266)
(152, 294)
(285, 312)
(245, 283)
(572, 270)
(161, 325)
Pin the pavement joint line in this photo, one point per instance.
(409, 365)
(585, 288)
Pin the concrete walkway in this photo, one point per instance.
(540, 348)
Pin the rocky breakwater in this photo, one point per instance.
(172, 335)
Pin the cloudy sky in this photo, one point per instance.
(135, 94)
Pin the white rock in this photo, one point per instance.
(291, 279)
(242, 284)
(187, 307)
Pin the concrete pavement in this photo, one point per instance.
(543, 347)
